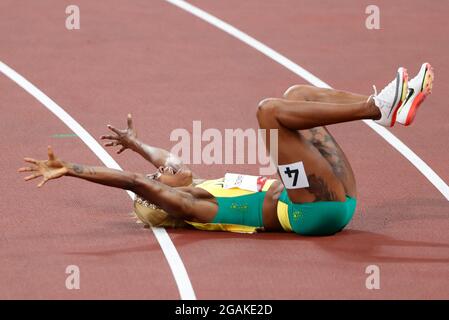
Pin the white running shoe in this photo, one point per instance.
(418, 89)
(391, 97)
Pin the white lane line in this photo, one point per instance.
(306, 75)
(171, 254)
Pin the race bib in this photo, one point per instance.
(244, 182)
(293, 175)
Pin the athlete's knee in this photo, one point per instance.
(267, 109)
(298, 92)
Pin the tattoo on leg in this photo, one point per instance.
(326, 146)
(319, 188)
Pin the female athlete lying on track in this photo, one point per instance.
(316, 194)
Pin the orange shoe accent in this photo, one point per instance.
(414, 108)
(426, 90)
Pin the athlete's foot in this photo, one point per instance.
(390, 98)
(418, 89)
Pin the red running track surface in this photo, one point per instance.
(169, 68)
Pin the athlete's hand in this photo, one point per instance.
(125, 138)
(278, 188)
(52, 168)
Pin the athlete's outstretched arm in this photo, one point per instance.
(179, 204)
(127, 139)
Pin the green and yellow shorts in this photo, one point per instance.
(315, 218)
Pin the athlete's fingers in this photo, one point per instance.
(117, 131)
(42, 182)
(280, 187)
(121, 150)
(109, 137)
(130, 121)
(33, 176)
(30, 160)
(110, 144)
(51, 155)
(26, 169)
(278, 191)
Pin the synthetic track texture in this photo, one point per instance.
(168, 68)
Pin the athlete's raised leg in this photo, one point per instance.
(321, 138)
(301, 115)
(290, 116)
(311, 93)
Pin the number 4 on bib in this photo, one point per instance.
(293, 175)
